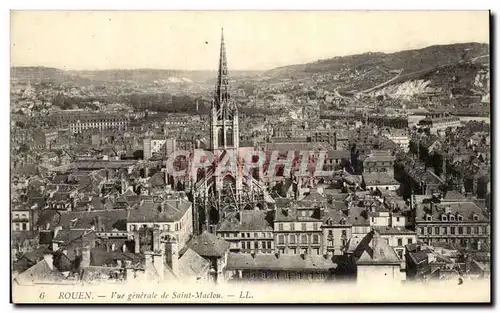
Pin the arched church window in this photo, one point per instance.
(229, 137)
(221, 137)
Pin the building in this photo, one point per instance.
(379, 180)
(376, 261)
(460, 223)
(278, 267)
(439, 121)
(400, 137)
(158, 145)
(248, 231)
(173, 216)
(398, 238)
(21, 218)
(298, 226)
(83, 121)
(379, 161)
(218, 192)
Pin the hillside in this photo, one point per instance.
(133, 75)
(444, 67)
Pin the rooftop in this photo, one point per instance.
(280, 262)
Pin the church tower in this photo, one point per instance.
(224, 131)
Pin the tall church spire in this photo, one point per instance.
(222, 88)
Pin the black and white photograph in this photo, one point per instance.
(250, 156)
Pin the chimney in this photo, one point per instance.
(172, 255)
(85, 257)
(100, 226)
(156, 239)
(137, 246)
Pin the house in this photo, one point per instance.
(379, 161)
(248, 231)
(173, 214)
(461, 223)
(280, 267)
(213, 249)
(376, 261)
(381, 181)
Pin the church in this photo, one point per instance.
(218, 192)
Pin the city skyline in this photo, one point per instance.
(37, 36)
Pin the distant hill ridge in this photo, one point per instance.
(407, 60)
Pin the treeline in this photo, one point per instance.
(160, 102)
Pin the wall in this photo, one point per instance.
(379, 273)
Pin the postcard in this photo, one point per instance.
(250, 157)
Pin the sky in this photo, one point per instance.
(255, 40)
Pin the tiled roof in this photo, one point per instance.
(109, 219)
(394, 231)
(373, 249)
(247, 221)
(100, 257)
(208, 245)
(40, 273)
(167, 211)
(377, 179)
(191, 264)
(465, 209)
(281, 262)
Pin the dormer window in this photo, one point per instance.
(460, 217)
(444, 218)
(475, 217)
(428, 218)
(452, 218)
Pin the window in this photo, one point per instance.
(410, 241)
(436, 230)
(429, 218)
(292, 226)
(460, 230)
(445, 230)
(460, 217)
(249, 245)
(315, 239)
(25, 226)
(400, 241)
(444, 218)
(330, 233)
(468, 230)
(269, 245)
(452, 230)
(256, 235)
(281, 239)
(452, 218)
(344, 233)
(484, 230)
(421, 229)
(292, 239)
(304, 226)
(475, 217)
(280, 226)
(303, 239)
(429, 230)
(315, 226)
(242, 235)
(397, 219)
(476, 230)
